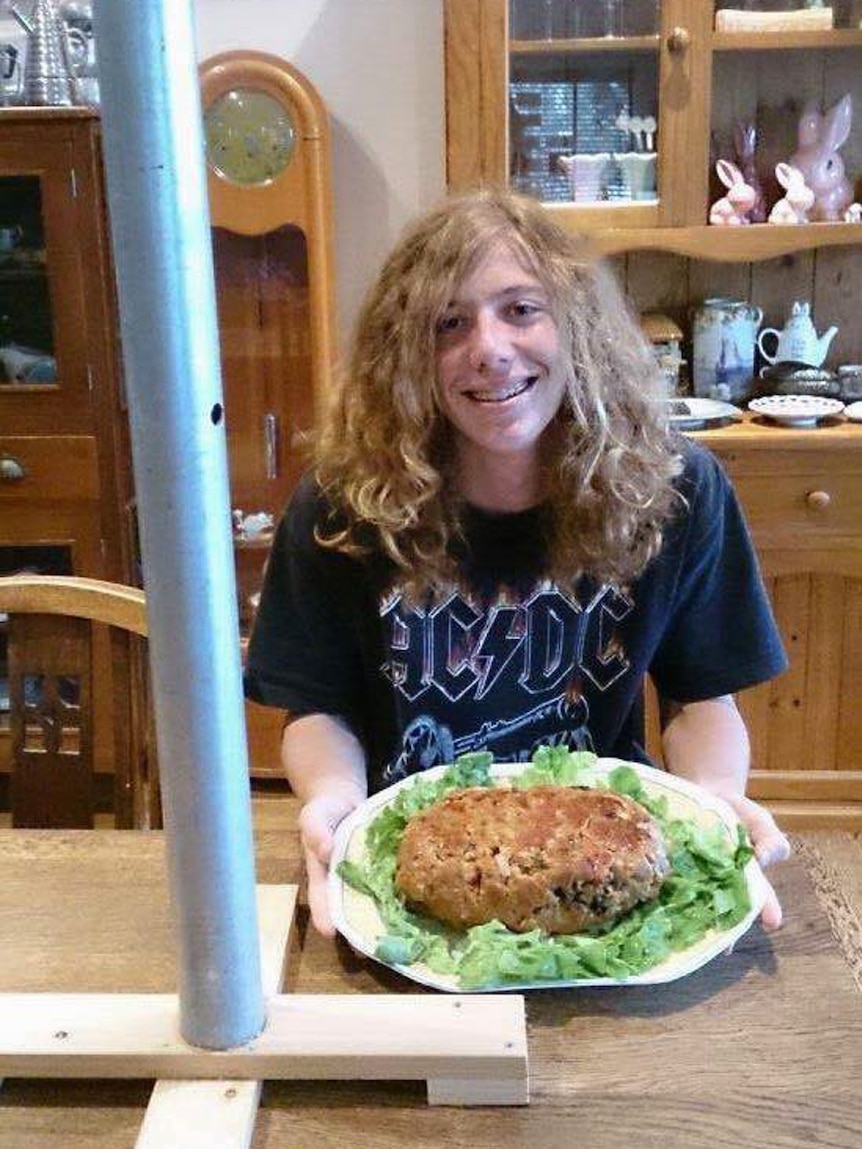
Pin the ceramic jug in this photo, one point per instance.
(798, 341)
(724, 338)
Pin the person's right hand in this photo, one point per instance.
(317, 821)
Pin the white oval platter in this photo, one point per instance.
(355, 915)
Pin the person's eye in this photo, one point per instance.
(525, 309)
(449, 324)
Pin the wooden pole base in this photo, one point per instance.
(470, 1049)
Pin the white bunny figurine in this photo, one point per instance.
(798, 197)
(732, 209)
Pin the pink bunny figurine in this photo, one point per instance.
(745, 147)
(820, 137)
(798, 196)
(732, 209)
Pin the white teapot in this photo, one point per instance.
(798, 341)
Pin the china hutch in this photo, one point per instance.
(613, 114)
(63, 467)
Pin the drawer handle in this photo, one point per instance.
(11, 470)
(818, 500)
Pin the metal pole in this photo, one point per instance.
(160, 228)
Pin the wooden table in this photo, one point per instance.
(761, 1048)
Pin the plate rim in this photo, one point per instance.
(755, 879)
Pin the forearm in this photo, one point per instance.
(321, 755)
(707, 742)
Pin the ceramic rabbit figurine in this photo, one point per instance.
(820, 137)
(798, 197)
(732, 209)
(745, 148)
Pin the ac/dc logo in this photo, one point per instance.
(459, 649)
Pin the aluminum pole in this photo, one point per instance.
(160, 228)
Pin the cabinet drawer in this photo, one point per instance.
(801, 510)
(48, 468)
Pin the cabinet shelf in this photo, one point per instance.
(722, 244)
(804, 38)
(593, 44)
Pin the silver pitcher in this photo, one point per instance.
(48, 74)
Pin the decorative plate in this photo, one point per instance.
(854, 412)
(355, 914)
(691, 413)
(796, 410)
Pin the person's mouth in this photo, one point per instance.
(502, 394)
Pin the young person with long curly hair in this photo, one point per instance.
(500, 537)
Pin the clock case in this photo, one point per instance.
(272, 249)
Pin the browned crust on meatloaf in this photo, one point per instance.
(554, 857)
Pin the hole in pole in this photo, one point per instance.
(216, 414)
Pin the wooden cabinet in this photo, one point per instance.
(537, 112)
(802, 496)
(62, 469)
(801, 491)
(525, 91)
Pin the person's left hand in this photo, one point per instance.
(770, 846)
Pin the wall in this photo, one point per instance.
(378, 64)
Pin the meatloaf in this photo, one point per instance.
(554, 857)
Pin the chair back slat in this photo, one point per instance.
(57, 656)
(50, 692)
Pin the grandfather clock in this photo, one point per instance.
(268, 165)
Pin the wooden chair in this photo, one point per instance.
(65, 637)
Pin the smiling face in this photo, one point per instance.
(499, 377)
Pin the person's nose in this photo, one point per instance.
(490, 347)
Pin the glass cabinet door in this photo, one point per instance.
(583, 102)
(43, 367)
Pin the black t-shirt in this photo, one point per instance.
(517, 661)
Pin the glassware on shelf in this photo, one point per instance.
(613, 23)
(533, 19)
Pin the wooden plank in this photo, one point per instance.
(463, 94)
(818, 815)
(836, 301)
(685, 95)
(659, 282)
(788, 693)
(221, 1114)
(760, 241)
(809, 785)
(723, 280)
(308, 1036)
(494, 58)
(849, 750)
(823, 683)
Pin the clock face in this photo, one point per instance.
(250, 137)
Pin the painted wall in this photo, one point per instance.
(378, 64)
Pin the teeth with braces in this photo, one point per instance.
(502, 396)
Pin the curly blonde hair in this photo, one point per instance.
(383, 451)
